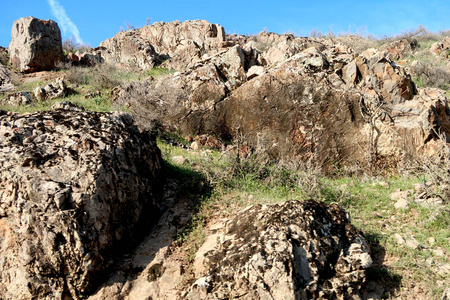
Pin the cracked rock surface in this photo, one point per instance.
(297, 250)
(76, 189)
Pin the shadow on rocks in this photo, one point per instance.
(382, 282)
(182, 192)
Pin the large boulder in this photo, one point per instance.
(297, 250)
(35, 44)
(76, 189)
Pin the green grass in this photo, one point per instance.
(100, 104)
(158, 72)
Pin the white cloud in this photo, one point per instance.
(64, 21)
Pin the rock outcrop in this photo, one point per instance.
(316, 103)
(76, 190)
(441, 48)
(297, 250)
(35, 44)
(181, 43)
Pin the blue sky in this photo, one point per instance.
(98, 20)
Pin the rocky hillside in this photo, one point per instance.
(90, 207)
(298, 98)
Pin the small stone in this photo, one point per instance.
(399, 195)
(431, 240)
(179, 159)
(443, 269)
(399, 238)
(402, 204)
(195, 146)
(413, 244)
(429, 261)
(384, 184)
(438, 252)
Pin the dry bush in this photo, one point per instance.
(357, 43)
(420, 34)
(72, 46)
(150, 103)
(437, 170)
(100, 76)
(430, 75)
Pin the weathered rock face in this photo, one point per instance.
(4, 57)
(295, 98)
(298, 250)
(307, 105)
(35, 44)
(76, 188)
(400, 49)
(4, 78)
(441, 48)
(4, 72)
(182, 43)
(284, 114)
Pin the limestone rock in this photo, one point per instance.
(442, 47)
(35, 44)
(400, 49)
(312, 102)
(51, 91)
(311, 59)
(4, 57)
(76, 189)
(402, 204)
(255, 71)
(17, 99)
(86, 59)
(297, 250)
(183, 43)
(276, 48)
(5, 79)
(400, 239)
(179, 159)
